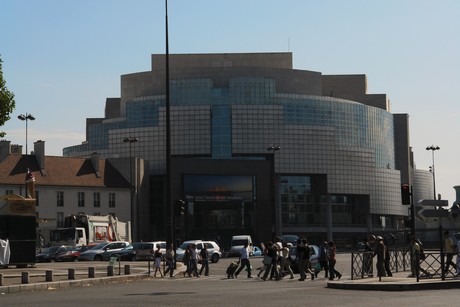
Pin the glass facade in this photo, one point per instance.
(332, 150)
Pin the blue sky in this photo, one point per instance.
(63, 58)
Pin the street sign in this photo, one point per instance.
(433, 202)
(434, 213)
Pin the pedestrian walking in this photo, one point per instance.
(387, 261)
(157, 256)
(367, 258)
(324, 258)
(304, 260)
(194, 261)
(285, 260)
(169, 257)
(380, 253)
(451, 250)
(186, 261)
(271, 253)
(266, 260)
(244, 261)
(204, 259)
(332, 261)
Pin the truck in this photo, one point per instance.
(83, 229)
(17, 230)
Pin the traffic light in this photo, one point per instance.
(405, 194)
(180, 207)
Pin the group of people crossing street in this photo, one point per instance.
(277, 261)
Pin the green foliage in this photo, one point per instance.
(7, 103)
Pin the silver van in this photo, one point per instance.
(238, 243)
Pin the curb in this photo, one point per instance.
(54, 285)
(395, 285)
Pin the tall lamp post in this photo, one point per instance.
(433, 148)
(278, 231)
(168, 196)
(26, 118)
(131, 140)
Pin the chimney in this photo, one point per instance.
(39, 152)
(457, 194)
(5, 149)
(95, 163)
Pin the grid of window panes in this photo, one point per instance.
(75, 150)
(98, 133)
(221, 134)
(81, 199)
(355, 125)
(143, 113)
(97, 199)
(60, 198)
(270, 117)
(302, 206)
(251, 90)
(190, 130)
(111, 200)
(297, 200)
(191, 92)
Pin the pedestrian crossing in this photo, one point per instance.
(223, 277)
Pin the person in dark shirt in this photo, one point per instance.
(204, 260)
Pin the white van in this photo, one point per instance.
(238, 243)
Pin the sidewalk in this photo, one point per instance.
(398, 282)
(12, 283)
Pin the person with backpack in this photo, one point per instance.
(304, 260)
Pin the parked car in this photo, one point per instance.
(73, 253)
(213, 249)
(290, 239)
(256, 251)
(103, 251)
(141, 250)
(49, 254)
(314, 255)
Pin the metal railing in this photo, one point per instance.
(362, 264)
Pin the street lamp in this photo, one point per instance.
(277, 204)
(26, 118)
(131, 140)
(433, 148)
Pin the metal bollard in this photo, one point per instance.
(127, 269)
(49, 275)
(109, 270)
(91, 272)
(25, 278)
(71, 274)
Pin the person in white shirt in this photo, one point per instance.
(244, 261)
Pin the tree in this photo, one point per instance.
(7, 102)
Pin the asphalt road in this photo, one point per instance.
(217, 290)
